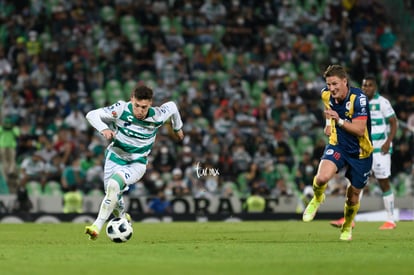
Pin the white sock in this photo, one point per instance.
(108, 203)
(389, 205)
(119, 210)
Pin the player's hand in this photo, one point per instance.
(331, 114)
(108, 134)
(179, 134)
(385, 148)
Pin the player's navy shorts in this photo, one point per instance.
(357, 171)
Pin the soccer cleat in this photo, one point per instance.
(388, 226)
(128, 218)
(311, 209)
(340, 222)
(92, 231)
(346, 234)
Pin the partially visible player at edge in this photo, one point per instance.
(132, 128)
(384, 124)
(349, 146)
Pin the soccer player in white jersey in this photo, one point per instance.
(132, 128)
(384, 125)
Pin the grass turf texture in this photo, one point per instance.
(288, 247)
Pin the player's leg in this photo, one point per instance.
(107, 206)
(113, 184)
(388, 198)
(132, 174)
(359, 171)
(338, 223)
(350, 210)
(326, 171)
(119, 210)
(382, 172)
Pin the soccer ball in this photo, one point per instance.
(119, 230)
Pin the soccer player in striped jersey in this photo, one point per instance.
(131, 127)
(349, 147)
(384, 124)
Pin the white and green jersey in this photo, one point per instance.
(134, 138)
(381, 111)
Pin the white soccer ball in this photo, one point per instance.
(119, 230)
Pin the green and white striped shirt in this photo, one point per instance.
(381, 111)
(134, 138)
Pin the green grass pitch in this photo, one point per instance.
(279, 247)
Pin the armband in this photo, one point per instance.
(328, 122)
(341, 122)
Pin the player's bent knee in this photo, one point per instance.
(322, 179)
(113, 186)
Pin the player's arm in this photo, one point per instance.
(393, 122)
(357, 127)
(100, 119)
(169, 109)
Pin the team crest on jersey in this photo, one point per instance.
(348, 105)
(114, 114)
(329, 152)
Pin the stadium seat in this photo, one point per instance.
(114, 95)
(52, 188)
(305, 144)
(128, 87)
(112, 85)
(146, 75)
(99, 97)
(34, 188)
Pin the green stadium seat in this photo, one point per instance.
(34, 188)
(128, 87)
(52, 188)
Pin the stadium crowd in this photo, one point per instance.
(246, 76)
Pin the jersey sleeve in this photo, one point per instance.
(386, 109)
(102, 118)
(170, 110)
(361, 107)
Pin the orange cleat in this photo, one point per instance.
(388, 226)
(340, 222)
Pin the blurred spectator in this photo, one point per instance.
(281, 150)
(159, 204)
(164, 160)
(305, 172)
(22, 202)
(178, 186)
(32, 168)
(214, 11)
(5, 66)
(9, 135)
(255, 203)
(262, 156)
(73, 201)
(241, 159)
(73, 175)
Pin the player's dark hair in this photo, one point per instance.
(371, 78)
(335, 70)
(142, 92)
